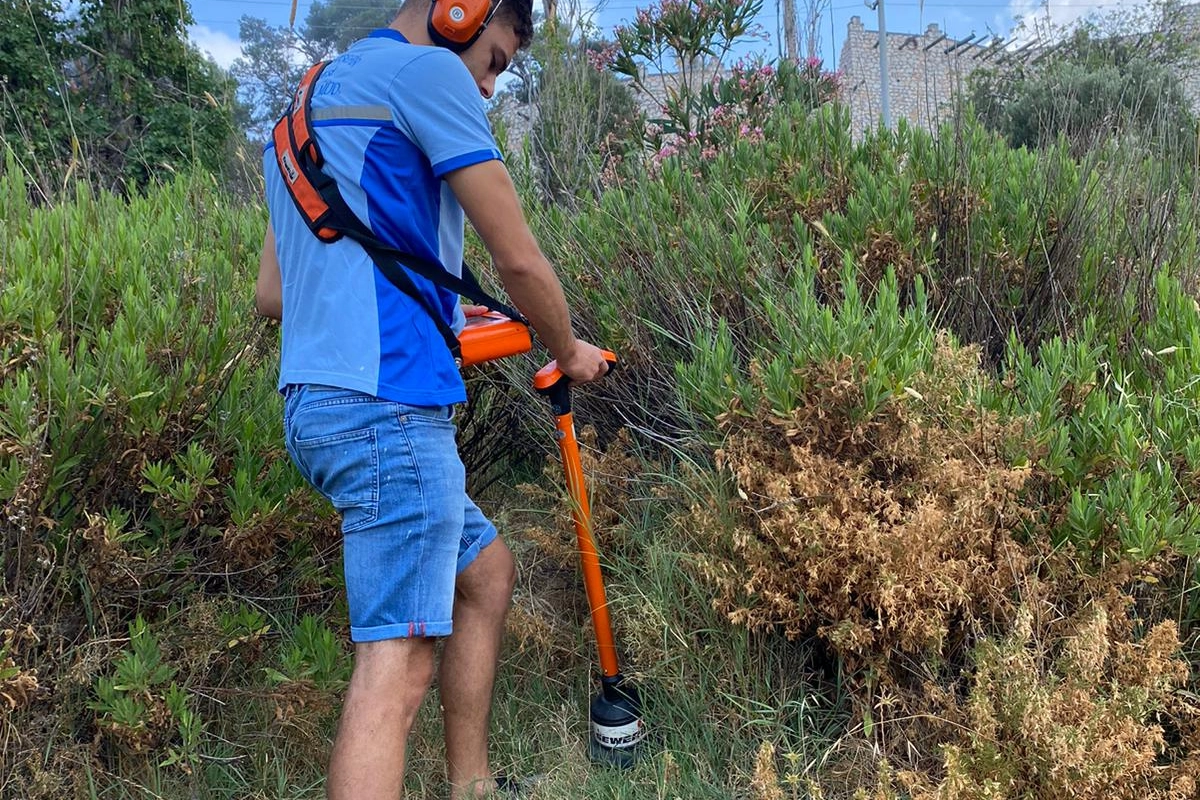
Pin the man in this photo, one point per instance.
(370, 383)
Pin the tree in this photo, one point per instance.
(583, 111)
(114, 92)
(272, 63)
(150, 100)
(275, 58)
(34, 117)
(331, 26)
(1119, 74)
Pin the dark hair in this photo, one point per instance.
(518, 14)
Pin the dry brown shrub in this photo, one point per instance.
(103, 558)
(884, 536)
(17, 686)
(148, 735)
(607, 476)
(944, 206)
(20, 514)
(56, 774)
(1078, 719)
(256, 542)
(988, 665)
(779, 201)
(533, 624)
(764, 783)
(20, 348)
(300, 704)
(881, 251)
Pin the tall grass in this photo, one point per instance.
(897, 422)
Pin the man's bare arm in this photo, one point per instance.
(268, 289)
(490, 201)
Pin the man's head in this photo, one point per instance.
(459, 19)
(507, 26)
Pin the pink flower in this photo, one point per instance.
(602, 59)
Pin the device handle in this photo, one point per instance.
(553, 383)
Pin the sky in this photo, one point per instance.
(216, 28)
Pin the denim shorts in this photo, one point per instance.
(408, 528)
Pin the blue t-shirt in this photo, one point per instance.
(391, 119)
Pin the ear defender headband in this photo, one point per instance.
(456, 24)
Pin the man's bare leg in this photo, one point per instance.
(389, 681)
(482, 596)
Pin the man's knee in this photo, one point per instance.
(394, 671)
(490, 577)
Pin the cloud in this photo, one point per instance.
(222, 47)
(1045, 16)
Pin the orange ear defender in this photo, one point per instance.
(456, 24)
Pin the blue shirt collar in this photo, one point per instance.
(387, 33)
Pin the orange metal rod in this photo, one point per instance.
(589, 559)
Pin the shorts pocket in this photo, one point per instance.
(433, 417)
(344, 467)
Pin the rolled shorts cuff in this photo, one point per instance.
(468, 556)
(400, 630)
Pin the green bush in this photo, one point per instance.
(1009, 243)
(582, 118)
(1108, 77)
(141, 467)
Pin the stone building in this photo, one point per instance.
(1189, 22)
(928, 70)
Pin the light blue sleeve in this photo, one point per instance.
(438, 106)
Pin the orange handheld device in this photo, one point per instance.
(490, 336)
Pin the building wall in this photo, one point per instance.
(1190, 23)
(926, 71)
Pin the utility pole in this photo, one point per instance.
(884, 82)
(789, 29)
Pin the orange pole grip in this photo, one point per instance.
(589, 558)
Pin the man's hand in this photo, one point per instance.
(584, 363)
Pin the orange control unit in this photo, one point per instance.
(491, 336)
